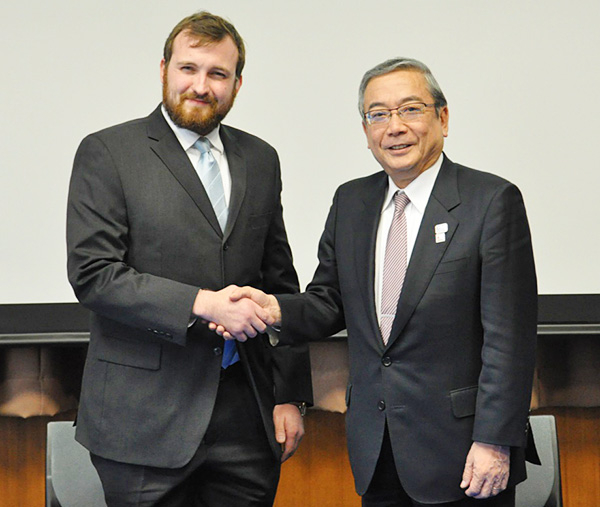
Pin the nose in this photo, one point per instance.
(396, 125)
(200, 84)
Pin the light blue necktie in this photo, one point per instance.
(210, 175)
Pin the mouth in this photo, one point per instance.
(201, 101)
(398, 147)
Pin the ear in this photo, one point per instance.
(444, 119)
(364, 126)
(163, 69)
(238, 84)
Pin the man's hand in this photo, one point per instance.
(486, 470)
(267, 302)
(289, 428)
(241, 317)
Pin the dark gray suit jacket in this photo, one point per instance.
(142, 239)
(459, 363)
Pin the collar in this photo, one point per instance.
(187, 138)
(419, 190)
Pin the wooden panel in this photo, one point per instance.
(319, 474)
(22, 461)
(579, 449)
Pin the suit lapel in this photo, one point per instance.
(167, 148)
(237, 168)
(365, 225)
(426, 253)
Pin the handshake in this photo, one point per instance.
(237, 313)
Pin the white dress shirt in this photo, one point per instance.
(187, 138)
(418, 191)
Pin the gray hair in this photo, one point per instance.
(401, 63)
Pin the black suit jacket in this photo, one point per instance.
(142, 239)
(459, 363)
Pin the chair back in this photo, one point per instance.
(542, 487)
(71, 479)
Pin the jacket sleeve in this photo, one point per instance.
(291, 362)
(508, 304)
(97, 253)
(318, 312)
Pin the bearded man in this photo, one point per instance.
(164, 214)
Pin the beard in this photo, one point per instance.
(201, 120)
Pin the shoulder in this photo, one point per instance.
(232, 135)
(478, 177)
(477, 191)
(469, 176)
(125, 133)
(475, 182)
(364, 184)
(122, 145)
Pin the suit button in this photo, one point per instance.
(217, 351)
(225, 247)
(381, 405)
(386, 361)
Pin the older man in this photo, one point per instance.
(164, 212)
(429, 265)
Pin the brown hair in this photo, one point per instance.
(207, 28)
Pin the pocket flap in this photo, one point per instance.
(137, 354)
(464, 401)
(451, 265)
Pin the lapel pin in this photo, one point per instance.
(440, 232)
(441, 228)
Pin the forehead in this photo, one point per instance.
(187, 46)
(396, 88)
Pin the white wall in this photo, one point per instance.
(521, 77)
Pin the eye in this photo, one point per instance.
(378, 115)
(411, 110)
(219, 74)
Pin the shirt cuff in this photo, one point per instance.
(273, 332)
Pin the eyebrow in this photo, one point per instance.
(182, 63)
(221, 69)
(406, 100)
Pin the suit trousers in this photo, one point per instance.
(385, 489)
(233, 466)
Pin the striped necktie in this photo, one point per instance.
(394, 266)
(210, 175)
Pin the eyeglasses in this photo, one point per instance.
(407, 112)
